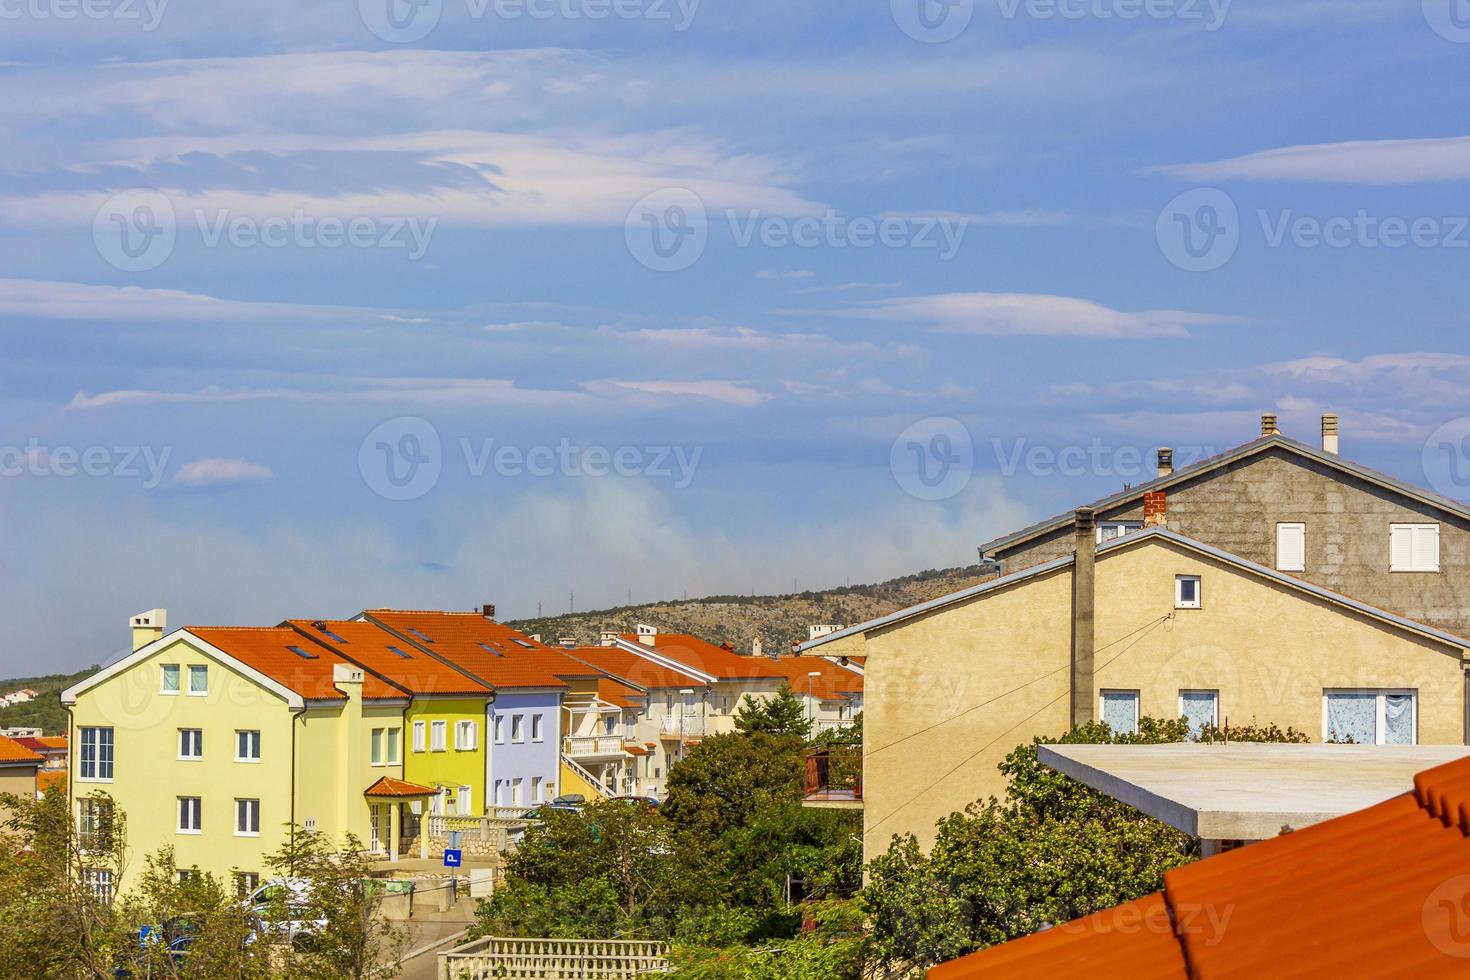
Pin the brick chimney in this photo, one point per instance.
(148, 626)
(1166, 461)
(1155, 509)
(488, 610)
(1269, 426)
(1329, 433)
(1084, 580)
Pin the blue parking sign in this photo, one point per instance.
(453, 858)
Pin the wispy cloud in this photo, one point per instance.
(219, 472)
(1406, 161)
(1032, 315)
(729, 392)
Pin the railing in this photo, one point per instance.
(554, 959)
(591, 745)
(587, 777)
(690, 725)
(834, 773)
(489, 830)
(829, 726)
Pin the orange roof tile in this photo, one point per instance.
(398, 789)
(491, 651)
(619, 693)
(13, 751)
(269, 650)
(705, 656)
(634, 669)
(386, 655)
(835, 681)
(1379, 892)
(49, 779)
(633, 749)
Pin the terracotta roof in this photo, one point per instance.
(491, 651)
(268, 649)
(43, 744)
(634, 749)
(385, 654)
(619, 693)
(398, 789)
(49, 779)
(634, 669)
(834, 683)
(705, 656)
(13, 751)
(1379, 892)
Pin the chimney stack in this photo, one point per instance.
(647, 635)
(1084, 574)
(488, 610)
(1155, 509)
(1269, 426)
(148, 626)
(757, 647)
(1329, 433)
(1166, 461)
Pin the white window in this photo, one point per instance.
(96, 755)
(246, 882)
(247, 746)
(420, 735)
(517, 728)
(1108, 530)
(438, 730)
(535, 789)
(168, 682)
(247, 818)
(377, 738)
(98, 881)
(466, 802)
(1291, 547)
(515, 792)
(535, 728)
(1413, 548)
(466, 736)
(189, 817)
(94, 824)
(1120, 710)
(1186, 592)
(1199, 708)
(198, 679)
(1370, 717)
(499, 730)
(191, 743)
(393, 746)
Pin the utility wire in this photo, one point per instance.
(1014, 690)
(972, 756)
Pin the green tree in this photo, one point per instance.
(727, 779)
(783, 714)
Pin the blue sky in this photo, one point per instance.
(308, 308)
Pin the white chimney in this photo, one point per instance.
(608, 638)
(757, 647)
(646, 635)
(1166, 461)
(816, 632)
(1329, 433)
(148, 626)
(1269, 426)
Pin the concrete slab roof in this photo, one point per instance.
(1247, 791)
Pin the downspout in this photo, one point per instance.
(301, 713)
(1084, 579)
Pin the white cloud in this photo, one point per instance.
(784, 275)
(1406, 161)
(86, 301)
(215, 472)
(1030, 314)
(468, 392)
(729, 392)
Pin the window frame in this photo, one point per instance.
(1411, 528)
(1199, 592)
(375, 750)
(244, 809)
(97, 760)
(198, 739)
(466, 735)
(393, 747)
(500, 729)
(1124, 528)
(1301, 528)
(256, 744)
(1201, 690)
(517, 729)
(163, 670)
(192, 691)
(1137, 704)
(538, 733)
(438, 735)
(420, 736)
(198, 813)
(1380, 718)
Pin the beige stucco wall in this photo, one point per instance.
(1269, 650)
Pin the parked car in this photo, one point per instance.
(282, 910)
(634, 798)
(540, 812)
(570, 799)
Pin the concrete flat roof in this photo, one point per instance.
(1247, 791)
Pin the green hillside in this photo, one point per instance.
(46, 711)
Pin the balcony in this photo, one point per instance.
(834, 778)
(682, 726)
(593, 747)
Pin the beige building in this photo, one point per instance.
(1148, 624)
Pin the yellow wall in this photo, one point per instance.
(1268, 649)
(452, 767)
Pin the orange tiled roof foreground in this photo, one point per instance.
(1381, 892)
(13, 751)
(269, 650)
(704, 656)
(397, 789)
(383, 653)
(491, 651)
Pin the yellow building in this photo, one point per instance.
(218, 740)
(1148, 624)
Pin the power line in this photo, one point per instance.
(973, 755)
(982, 704)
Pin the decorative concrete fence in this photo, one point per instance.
(493, 958)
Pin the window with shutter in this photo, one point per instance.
(1413, 548)
(1291, 547)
